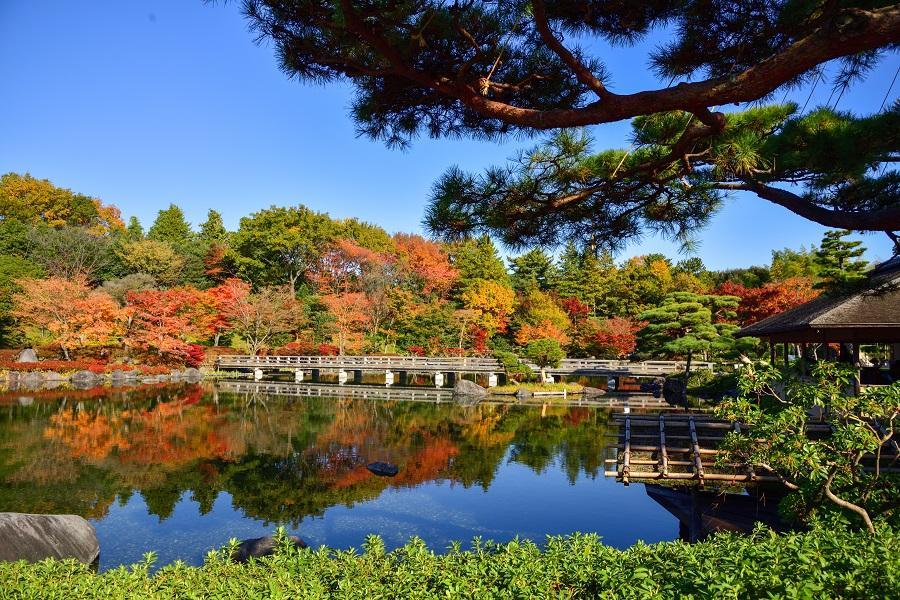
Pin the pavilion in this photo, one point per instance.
(868, 315)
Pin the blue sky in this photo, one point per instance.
(144, 103)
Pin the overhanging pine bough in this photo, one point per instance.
(485, 69)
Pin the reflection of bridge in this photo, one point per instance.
(437, 366)
(423, 394)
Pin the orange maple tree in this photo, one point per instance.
(68, 312)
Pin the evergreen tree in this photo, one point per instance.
(134, 231)
(787, 263)
(534, 268)
(171, 227)
(685, 324)
(212, 230)
(839, 261)
(477, 258)
(569, 276)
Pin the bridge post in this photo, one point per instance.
(357, 376)
(342, 377)
(438, 379)
(388, 378)
(612, 383)
(257, 374)
(492, 380)
(298, 376)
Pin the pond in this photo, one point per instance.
(181, 469)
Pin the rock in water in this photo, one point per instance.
(592, 392)
(35, 537)
(27, 355)
(259, 547)
(468, 389)
(383, 469)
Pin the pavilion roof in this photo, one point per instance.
(869, 314)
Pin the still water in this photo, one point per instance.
(181, 469)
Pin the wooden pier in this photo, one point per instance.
(675, 447)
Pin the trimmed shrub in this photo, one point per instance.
(824, 564)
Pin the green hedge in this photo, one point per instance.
(814, 565)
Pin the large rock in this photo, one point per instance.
(84, 377)
(36, 537)
(468, 389)
(259, 547)
(592, 392)
(383, 469)
(192, 374)
(27, 355)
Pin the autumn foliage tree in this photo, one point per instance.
(260, 317)
(67, 312)
(770, 299)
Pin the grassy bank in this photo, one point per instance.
(513, 388)
(823, 564)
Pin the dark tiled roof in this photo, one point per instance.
(877, 304)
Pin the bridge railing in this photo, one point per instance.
(451, 363)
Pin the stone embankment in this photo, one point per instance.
(89, 379)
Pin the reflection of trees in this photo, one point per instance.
(280, 459)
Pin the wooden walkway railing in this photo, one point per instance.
(675, 447)
(462, 364)
(686, 447)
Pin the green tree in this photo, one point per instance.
(71, 252)
(212, 230)
(134, 231)
(154, 258)
(171, 227)
(544, 353)
(278, 245)
(685, 324)
(365, 234)
(477, 258)
(12, 269)
(839, 261)
(14, 237)
(825, 473)
(534, 268)
(787, 263)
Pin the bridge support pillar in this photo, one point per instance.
(404, 377)
(298, 376)
(492, 380)
(342, 377)
(612, 383)
(388, 378)
(357, 376)
(315, 374)
(438, 379)
(257, 374)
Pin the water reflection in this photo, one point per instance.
(181, 469)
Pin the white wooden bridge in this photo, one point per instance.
(442, 368)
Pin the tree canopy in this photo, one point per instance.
(487, 69)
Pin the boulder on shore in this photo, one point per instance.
(192, 374)
(592, 392)
(84, 378)
(468, 389)
(35, 537)
(28, 355)
(259, 547)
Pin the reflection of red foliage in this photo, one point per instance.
(428, 463)
(576, 415)
(353, 477)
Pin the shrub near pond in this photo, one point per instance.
(822, 564)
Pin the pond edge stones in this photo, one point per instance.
(33, 538)
(262, 546)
